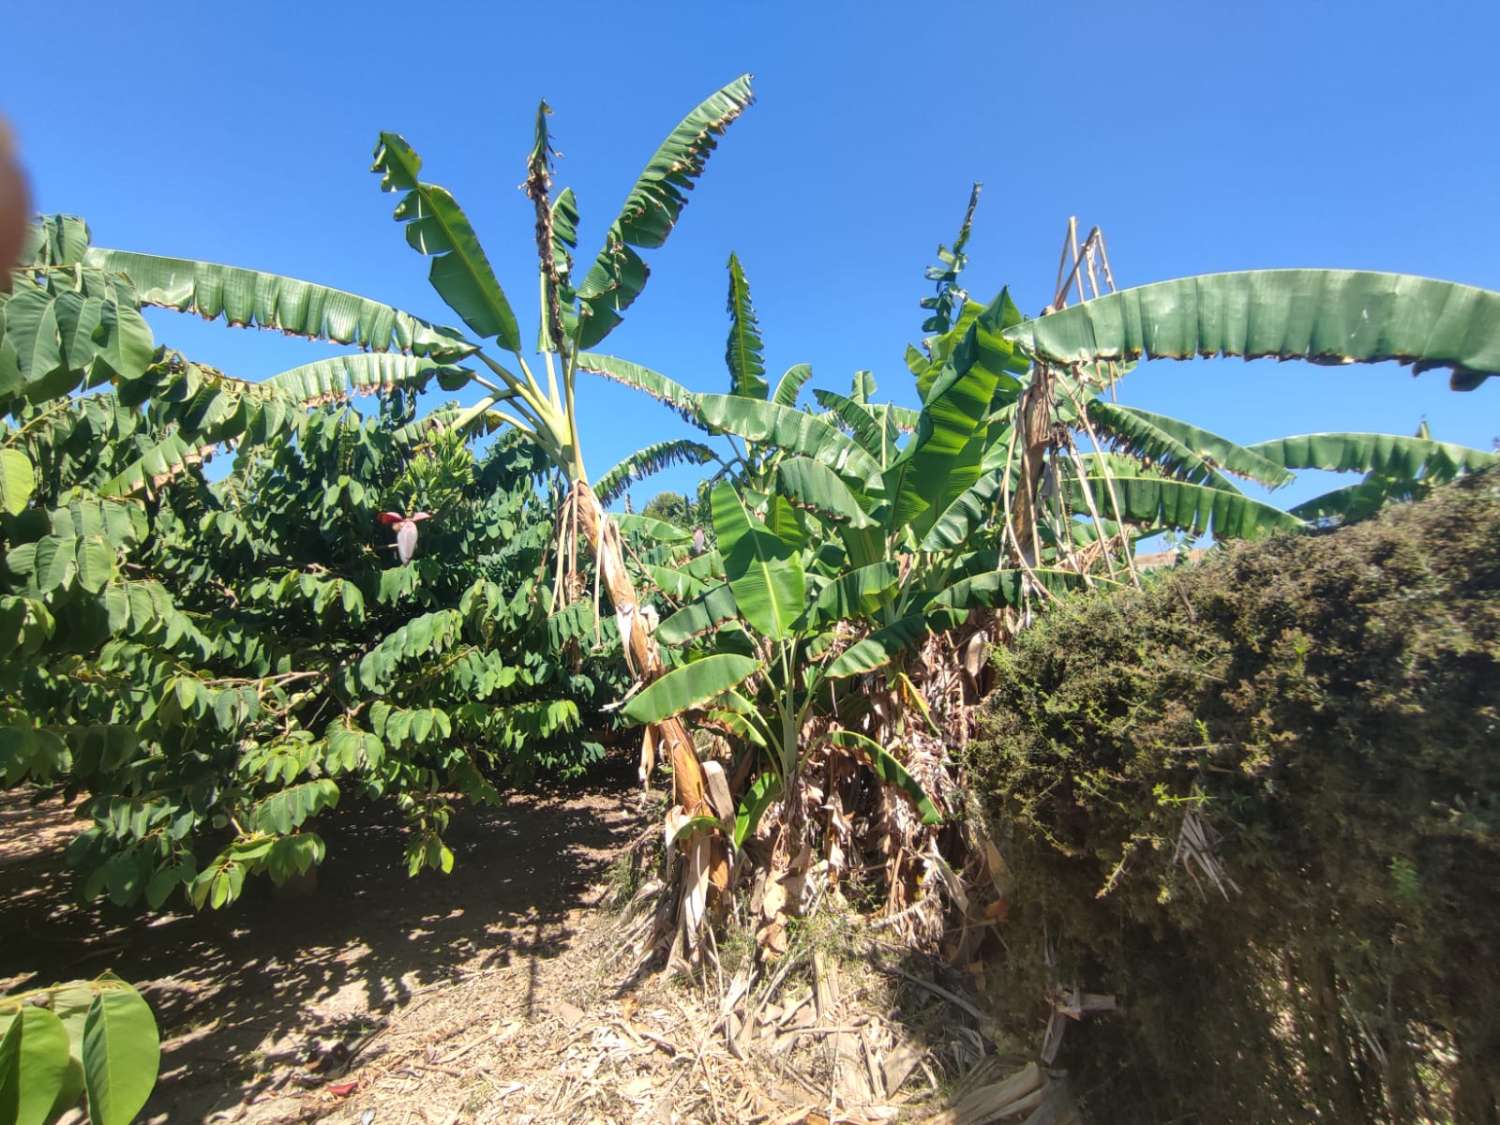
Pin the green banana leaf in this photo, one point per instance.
(252, 298)
(790, 430)
(879, 648)
(758, 798)
(365, 373)
(944, 460)
(744, 354)
(1189, 507)
(1359, 501)
(653, 383)
(437, 227)
(814, 485)
(691, 685)
(650, 527)
(648, 462)
(789, 386)
(1183, 450)
(651, 209)
(1392, 454)
(1326, 316)
(855, 594)
(713, 607)
(764, 571)
(889, 770)
(861, 423)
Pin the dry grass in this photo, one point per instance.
(500, 994)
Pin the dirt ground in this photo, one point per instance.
(278, 979)
(497, 994)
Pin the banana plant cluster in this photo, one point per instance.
(851, 534)
(91, 1043)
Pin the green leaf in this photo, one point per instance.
(1359, 501)
(678, 585)
(651, 209)
(17, 481)
(252, 298)
(1326, 316)
(1391, 454)
(650, 527)
(437, 227)
(105, 335)
(994, 588)
(857, 593)
(56, 563)
(889, 770)
(860, 421)
(34, 338)
(647, 462)
(790, 430)
(96, 564)
(365, 373)
(764, 571)
(653, 383)
(879, 648)
(744, 354)
(281, 812)
(945, 273)
(692, 685)
(693, 824)
(55, 240)
(789, 386)
(121, 1052)
(1182, 450)
(713, 607)
(763, 790)
(119, 524)
(944, 459)
(1178, 504)
(70, 1003)
(968, 510)
(34, 1066)
(813, 485)
(170, 457)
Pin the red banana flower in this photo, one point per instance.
(406, 532)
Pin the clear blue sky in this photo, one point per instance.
(1200, 136)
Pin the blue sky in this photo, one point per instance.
(1200, 136)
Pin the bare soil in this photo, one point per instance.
(256, 1002)
(500, 993)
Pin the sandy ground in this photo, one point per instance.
(501, 993)
(259, 1004)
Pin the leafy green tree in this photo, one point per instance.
(217, 664)
(75, 321)
(673, 507)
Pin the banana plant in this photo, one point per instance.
(762, 673)
(575, 315)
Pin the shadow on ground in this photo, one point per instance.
(237, 991)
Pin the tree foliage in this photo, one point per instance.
(214, 664)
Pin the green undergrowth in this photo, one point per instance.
(1327, 710)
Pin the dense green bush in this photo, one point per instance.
(1327, 711)
(286, 660)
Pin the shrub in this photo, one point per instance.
(1326, 711)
